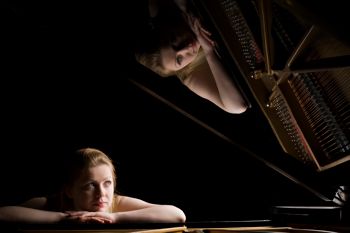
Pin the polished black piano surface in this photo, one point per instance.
(263, 225)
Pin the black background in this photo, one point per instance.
(64, 85)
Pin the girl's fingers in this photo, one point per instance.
(199, 25)
(75, 213)
(205, 31)
(98, 220)
(90, 219)
(207, 38)
(202, 34)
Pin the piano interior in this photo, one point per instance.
(297, 71)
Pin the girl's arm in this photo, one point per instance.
(135, 210)
(30, 212)
(214, 84)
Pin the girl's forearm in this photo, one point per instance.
(157, 214)
(29, 215)
(229, 94)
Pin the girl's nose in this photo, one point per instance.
(100, 191)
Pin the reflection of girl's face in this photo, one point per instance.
(179, 45)
(175, 59)
(94, 189)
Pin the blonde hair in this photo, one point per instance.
(195, 64)
(93, 157)
(153, 62)
(79, 161)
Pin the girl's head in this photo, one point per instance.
(170, 46)
(168, 62)
(91, 181)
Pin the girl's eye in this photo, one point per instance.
(108, 183)
(89, 186)
(179, 60)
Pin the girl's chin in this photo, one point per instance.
(99, 209)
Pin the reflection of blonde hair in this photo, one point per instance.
(195, 64)
(153, 62)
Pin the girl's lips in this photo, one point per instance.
(100, 204)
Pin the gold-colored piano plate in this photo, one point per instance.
(161, 230)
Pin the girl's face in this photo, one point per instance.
(179, 45)
(175, 59)
(93, 190)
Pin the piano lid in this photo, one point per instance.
(297, 71)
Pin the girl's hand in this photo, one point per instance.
(89, 217)
(203, 35)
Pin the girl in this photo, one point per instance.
(88, 195)
(175, 43)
